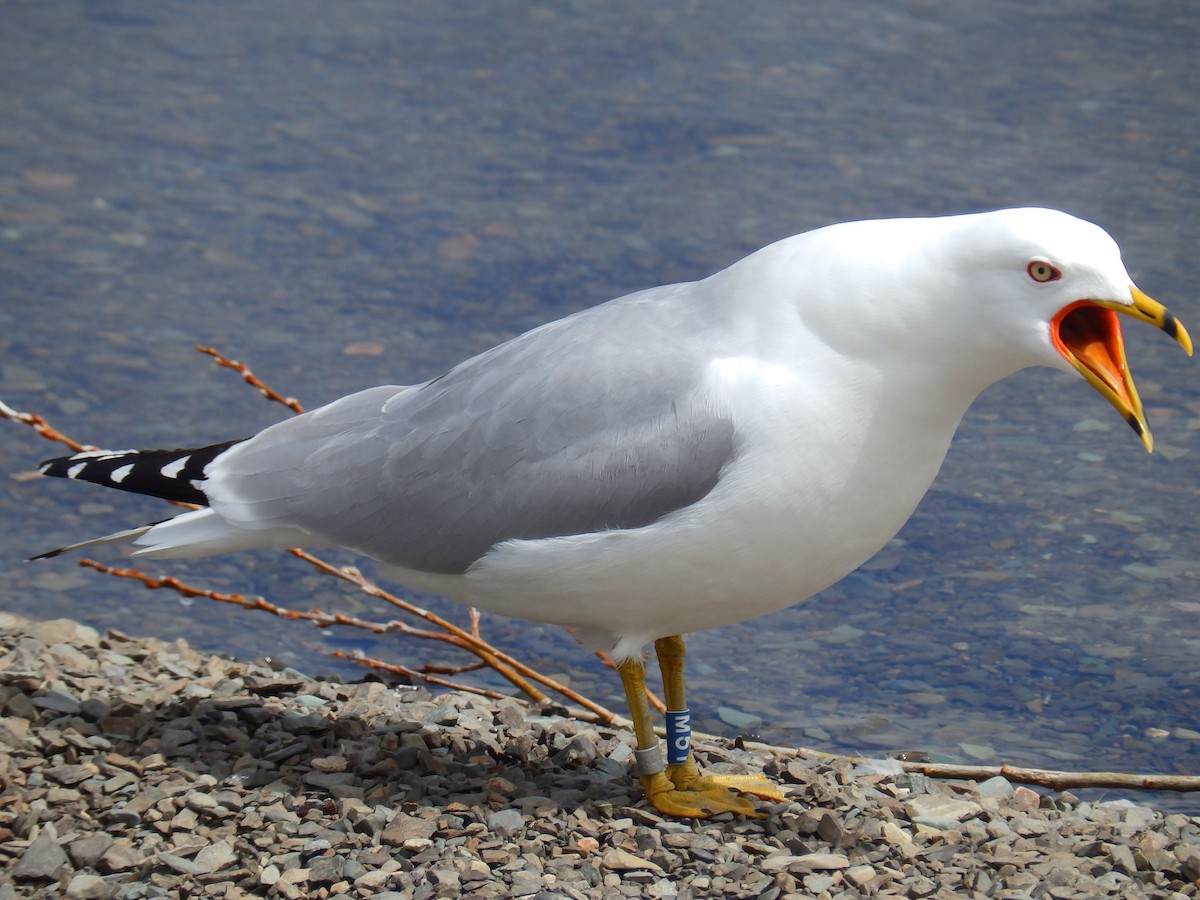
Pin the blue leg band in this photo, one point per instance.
(679, 736)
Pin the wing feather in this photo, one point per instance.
(557, 432)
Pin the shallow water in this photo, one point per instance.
(346, 200)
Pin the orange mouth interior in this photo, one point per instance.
(1090, 336)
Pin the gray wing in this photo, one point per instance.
(590, 423)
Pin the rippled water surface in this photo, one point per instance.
(344, 196)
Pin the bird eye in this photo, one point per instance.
(1040, 270)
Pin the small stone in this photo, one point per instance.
(181, 864)
(200, 801)
(85, 851)
(822, 861)
(56, 701)
(831, 831)
(120, 857)
(216, 857)
(1122, 858)
(1190, 866)
(326, 870)
(997, 786)
(405, 827)
(816, 884)
(898, 838)
(86, 886)
(935, 806)
(21, 706)
(330, 763)
(618, 860)
(506, 822)
(42, 860)
(860, 875)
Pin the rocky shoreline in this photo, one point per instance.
(134, 768)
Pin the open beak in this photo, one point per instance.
(1088, 335)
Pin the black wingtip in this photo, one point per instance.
(167, 474)
(49, 554)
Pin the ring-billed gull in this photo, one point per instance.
(677, 459)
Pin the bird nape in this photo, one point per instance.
(677, 459)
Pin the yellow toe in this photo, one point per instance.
(692, 802)
(686, 777)
(755, 785)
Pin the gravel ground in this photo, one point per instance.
(134, 768)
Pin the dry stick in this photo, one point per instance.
(372, 663)
(453, 635)
(319, 618)
(250, 378)
(1058, 780)
(1050, 778)
(481, 648)
(41, 426)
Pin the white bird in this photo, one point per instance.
(677, 459)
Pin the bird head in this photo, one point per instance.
(1069, 274)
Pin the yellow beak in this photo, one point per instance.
(1088, 336)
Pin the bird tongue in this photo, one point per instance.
(1093, 336)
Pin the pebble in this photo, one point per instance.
(153, 771)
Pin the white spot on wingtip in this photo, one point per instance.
(121, 474)
(74, 471)
(172, 469)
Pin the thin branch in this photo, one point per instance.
(422, 674)
(42, 427)
(250, 378)
(518, 674)
(1058, 780)
(1049, 778)
(498, 659)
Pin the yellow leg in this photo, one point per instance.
(685, 776)
(680, 790)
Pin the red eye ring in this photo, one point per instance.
(1041, 271)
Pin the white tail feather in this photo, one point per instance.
(202, 532)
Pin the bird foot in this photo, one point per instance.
(683, 791)
(685, 776)
(694, 803)
(754, 785)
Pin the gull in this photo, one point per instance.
(677, 459)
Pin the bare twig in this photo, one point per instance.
(250, 378)
(422, 674)
(517, 673)
(1048, 778)
(42, 427)
(1058, 780)
(496, 658)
